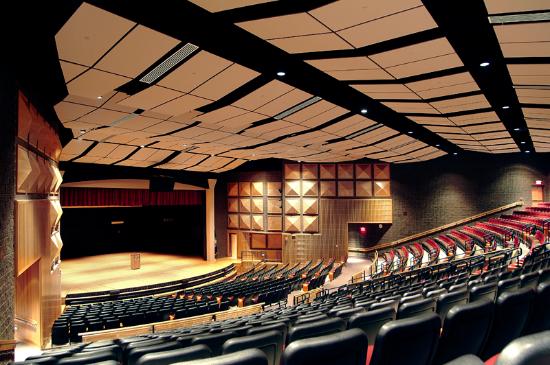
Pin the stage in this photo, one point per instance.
(112, 271)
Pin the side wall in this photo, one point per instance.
(433, 193)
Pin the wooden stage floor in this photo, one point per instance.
(107, 272)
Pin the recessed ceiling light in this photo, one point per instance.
(99, 97)
(455, 153)
(522, 142)
(527, 151)
(82, 131)
(437, 145)
(506, 107)
(363, 111)
(484, 64)
(142, 146)
(410, 132)
(281, 73)
(516, 129)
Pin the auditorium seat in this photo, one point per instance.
(135, 353)
(245, 357)
(528, 350)
(213, 341)
(465, 330)
(465, 360)
(539, 317)
(345, 314)
(177, 355)
(530, 280)
(320, 328)
(410, 341)
(310, 319)
(415, 308)
(343, 348)
(511, 313)
(270, 342)
(446, 301)
(281, 327)
(508, 285)
(485, 291)
(88, 358)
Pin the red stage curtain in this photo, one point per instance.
(100, 197)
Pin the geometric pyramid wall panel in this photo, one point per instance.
(327, 171)
(244, 205)
(292, 171)
(310, 206)
(274, 188)
(244, 188)
(244, 221)
(24, 168)
(345, 188)
(310, 188)
(310, 223)
(258, 222)
(232, 221)
(274, 206)
(292, 206)
(232, 205)
(232, 189)
(363, 171)
(257, 188)
(382, 188)
(345, 171)
(292, 188)
(309, 171)
(381, 171)
(292, 223)
(257, 205)
(328, 188)
(363, 189)
(274, 223)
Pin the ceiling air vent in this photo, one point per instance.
(169, 63)
(298, 107)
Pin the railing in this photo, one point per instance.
(147, 290)
(438, 229)
(262, 255)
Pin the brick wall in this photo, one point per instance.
(8, 130)
(434, 193)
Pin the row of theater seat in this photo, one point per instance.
(255, 286)
(480, 327)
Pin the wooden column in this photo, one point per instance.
(210, 222)
(8, 132)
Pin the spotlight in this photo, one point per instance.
(281, 73)
(410, 132)
(455, 153)
(527, 151)
(522, 142)
(516, 129)
(142, 146)
(437, 145)
(484, 64)
(363, 111)
(506, 107)
(99, 97)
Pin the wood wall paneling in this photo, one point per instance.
(232, 189)
(257, 205)
(345, 189)
(232, 205)
(327, 171)
(363, 189)
(258, 241)
(244, 221)
(363, 171)
(274, 223)
(257, 222)
(257, 188)
(274, 206)
(327, 188)
(292, 171)
(244, 188)
(244, 205)
(233, 221)
(345, 171)
(274, 188)
(292, 223)
(382, 188)
(275, 241)
(293, 188)
(292, 206)
(27, 307)
(310, 188)
(381, 171)
(310, 171)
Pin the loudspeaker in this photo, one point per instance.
(157, 184)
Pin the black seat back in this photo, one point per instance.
(466, 360)
(508, 285)
(177, 355)
(371, 321)
(528, 350)
(446, 301)
(310, 319)
(270, 342)
(419, 307)
(135, 353)
(342, 348)
(487, 291)
(345, 314)
(410, 341)
(530, 280)
(511, 313)
(465, 330)
(89, 357)
(213, 341)
(320, 328)
(245, 357)
(539, 318)
(281, 327)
